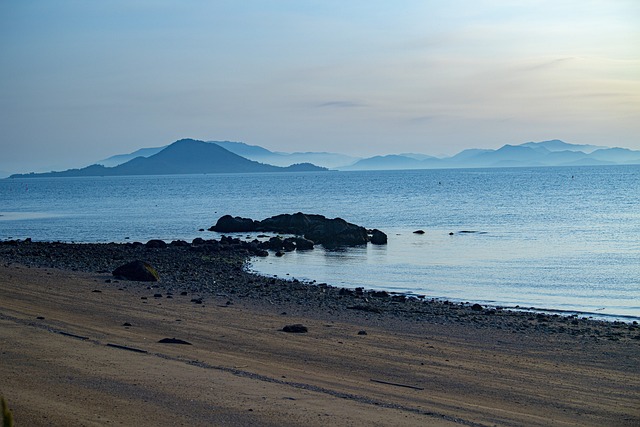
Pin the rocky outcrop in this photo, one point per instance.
(137, 270)
(303, 244)
(316, 229)
(289, 244)
(156, 243)
(378, 237)
(230, 224)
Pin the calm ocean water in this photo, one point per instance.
(551, 238)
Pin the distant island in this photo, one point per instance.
(186, 156)
(251, 152)
(529, 154)
(189, 156)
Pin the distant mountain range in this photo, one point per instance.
(124, 158)
(251, 152)
(186, 156)
(545, 153)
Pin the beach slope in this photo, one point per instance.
(205, 346)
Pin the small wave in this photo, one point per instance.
(19, 216)
(596, 314)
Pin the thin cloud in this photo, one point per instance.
(548, 64)
(339, 104)
(421, 119)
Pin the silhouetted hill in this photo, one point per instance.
(468, 154)
(260, 154)
(186, 156)
(545, 153)
(251, 152)
(123, 158)
(191, 156)
(391, 161)
(616, 155)
(558, 145)
(511, 155)
(417, 156)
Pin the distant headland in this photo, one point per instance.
(186, 156)
(189, 156)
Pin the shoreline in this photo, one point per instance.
(88, 349)
(221, 268)
(104, 257)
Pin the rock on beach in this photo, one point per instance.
(140, 271)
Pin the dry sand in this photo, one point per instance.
(59, 365)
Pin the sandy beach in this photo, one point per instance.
(81, 348)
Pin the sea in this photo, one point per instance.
(556, 239)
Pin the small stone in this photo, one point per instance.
(476, 307)
(363, 332)
(174, 341)
(296, 329)
(126, 324)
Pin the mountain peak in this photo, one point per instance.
(559, 145)
(185, 156)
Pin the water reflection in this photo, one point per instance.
(486, 268)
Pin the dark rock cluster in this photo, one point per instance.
(316, 229)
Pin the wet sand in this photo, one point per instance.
(80, 348)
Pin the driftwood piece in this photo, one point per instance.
(174, 341)
(68, 334)
(124, 347)
(397, 384)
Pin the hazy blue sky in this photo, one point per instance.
(82, 80)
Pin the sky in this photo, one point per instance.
(83, 80)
